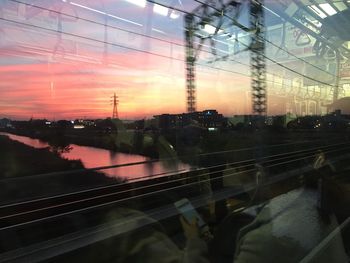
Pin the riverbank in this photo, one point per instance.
(191, 145)
(125, 141)
(28, 173)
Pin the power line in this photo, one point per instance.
(155, 54)
(120, 46)
(88, 38)
(163, 40)
(305, 61)
(113, 44)
(264, 39)
(280, 48)
(292, 70)
(105, 25)
(119, 28)
(96, 22)
(148, 52)
(274, 61)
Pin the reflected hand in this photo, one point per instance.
(191, 229)
(320, 161)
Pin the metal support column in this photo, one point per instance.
(337, 76)
(190, 63)
(257, 60)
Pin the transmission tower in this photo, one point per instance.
(216, 14)
(115, 102)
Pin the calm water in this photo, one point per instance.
(94, 157)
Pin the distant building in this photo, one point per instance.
(210, 119)
(245, 120)
(5, 123)
(84, 122)
(252, 120)
(207, 119)
(343, 105)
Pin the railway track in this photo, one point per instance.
(24, 213)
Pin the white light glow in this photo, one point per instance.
(125, 20)
(210, 29)
(328, 9)
(174, 15)
(317, 11)
(140, 3)
(159, 31)
(88, 8)
(103, 13)
(227, 34)
(161, 10)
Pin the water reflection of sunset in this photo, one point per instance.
(95, 157)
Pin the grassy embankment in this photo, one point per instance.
(24, 173)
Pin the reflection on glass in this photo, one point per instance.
(113, 113)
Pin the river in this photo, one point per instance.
(92, 157)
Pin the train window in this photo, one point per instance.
(174, 131)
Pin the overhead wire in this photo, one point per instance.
(101, 24)
(164, 56)
(270, 42)
(292, 70)
(148, 52)
(96, 22)
(134, 49)
(116, 45)
(324, 83)
(108, 26)
(159, 39)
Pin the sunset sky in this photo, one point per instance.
(45, 74)
(139, 56)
